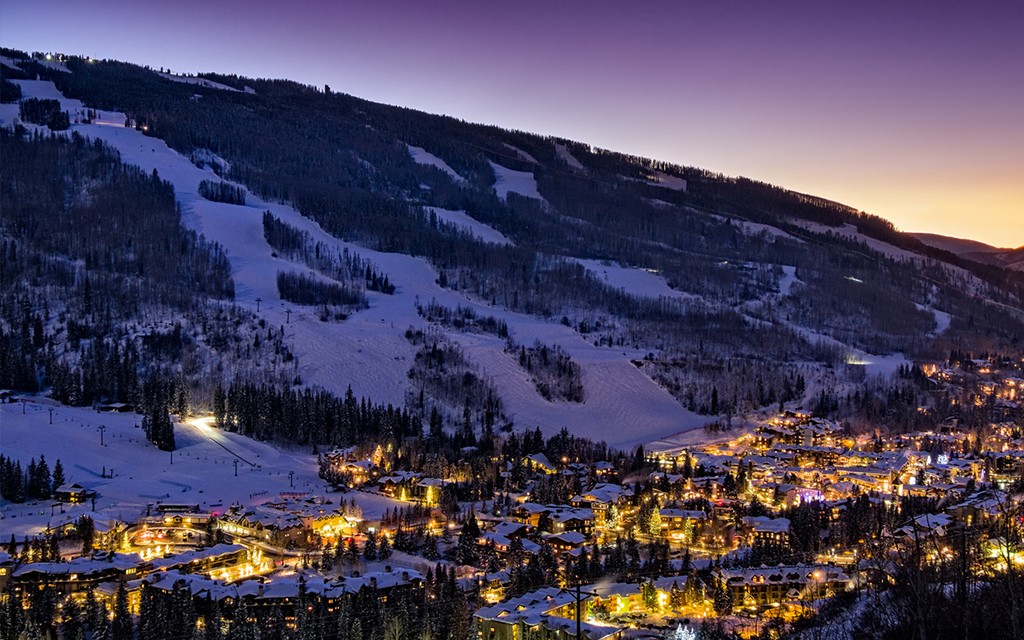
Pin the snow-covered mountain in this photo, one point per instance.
(670, 296)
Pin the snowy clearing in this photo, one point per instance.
(464, 221)
(662, 179)
(635, 281)
(521, 182)
(129, 473)
(420, 155)
(522, 154)
(202, 82)
(787, 280)
(942, 319)
(563, 152)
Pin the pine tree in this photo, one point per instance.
(430, 551)
(92, 610)
(213, 621)
(343, 629)
(71, 625)
(58, 476)
(244, 626)
(121, 625)
(370, 546)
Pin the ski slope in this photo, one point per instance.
(464, 221)
(563, 152)
(369, 351)
(201, 82)
(420, 155)
(509, 180)
(633, 280)
(128, 473)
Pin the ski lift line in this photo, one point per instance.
(221, 445)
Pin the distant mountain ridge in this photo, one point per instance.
(974, 250)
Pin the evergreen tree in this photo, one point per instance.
(58, 476)
(370, 546)
(430, 551)
(212, 623)
(121, 627)
(244, 626)
(71, 626)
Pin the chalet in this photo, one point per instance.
(269, 526)
(511, 529)
(205, 561)
(77, 575)
(116, 407)
(767, 532)
(569, 519)
(682, 525)
(545, 614)
(772, 586)
(7, 563)
(428, 491)
(531, 513)
(398, 484)
(925, 526)
(566, 541)
(539, 463)
(73, 493)
(980, 508)
(600, 499)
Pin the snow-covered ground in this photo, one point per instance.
(202, 82)
(787, 280)
(563, 152)
(521, 154)
(756, 228)
(942, 319)
(635, 281)
(464, 221)
(129, 473)
(369, 350)
(422, 156)
(851, 232)
(662, 179)
(521, 182)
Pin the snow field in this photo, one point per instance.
(202, 82)
(465, 222)
(422, 156)
(633, 280)
(509, 180)
(563, 152)
(202, 471)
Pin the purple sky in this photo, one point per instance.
(912, 110)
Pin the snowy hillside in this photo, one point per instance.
(369, 351)
(129, 473)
